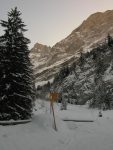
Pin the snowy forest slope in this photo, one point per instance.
(89, 79)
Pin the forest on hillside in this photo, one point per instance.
(87, 80)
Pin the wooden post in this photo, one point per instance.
(50, 106)
(53, 116)
(53, 98)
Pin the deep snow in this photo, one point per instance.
(40, 135)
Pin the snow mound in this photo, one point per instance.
(14, 122)
(36, 135)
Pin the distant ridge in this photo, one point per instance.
(47, 61)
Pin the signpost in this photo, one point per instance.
(53, 98)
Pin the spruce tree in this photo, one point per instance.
(16, 79)
(110, 40)
(100, 91)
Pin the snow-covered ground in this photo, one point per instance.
(40, 135)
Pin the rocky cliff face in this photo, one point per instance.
(47, 61)
(39, 56)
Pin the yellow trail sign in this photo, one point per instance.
(54, 96)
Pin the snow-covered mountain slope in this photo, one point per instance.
(47, 61)
(90, 79)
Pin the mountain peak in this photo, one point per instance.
(93, 30)
(39, 47)
(96, 20)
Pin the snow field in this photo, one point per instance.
(40, 135)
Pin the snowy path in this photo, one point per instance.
(77, 113)
(96, 135)
(39, 134)
(91, 136)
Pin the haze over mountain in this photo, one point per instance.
(48, 60)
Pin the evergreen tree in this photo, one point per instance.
(100, 92)
(82, 61)
(110, 40)
(16, 79)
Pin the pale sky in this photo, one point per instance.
(49, 21)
